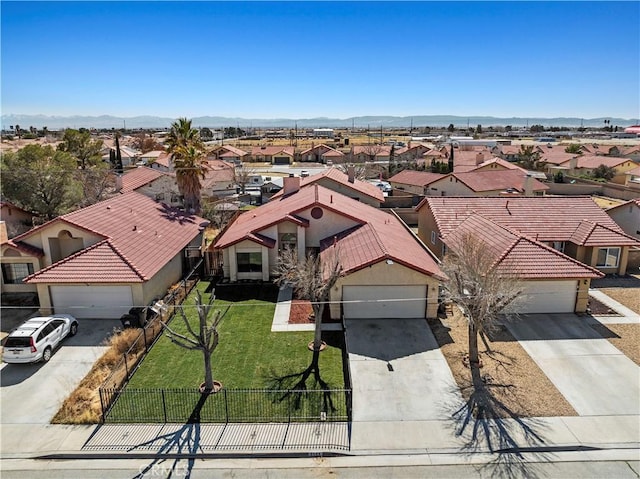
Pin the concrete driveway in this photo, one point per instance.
(33, 393)
(418, 385)
(593, 375)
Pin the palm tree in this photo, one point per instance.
(187, 152)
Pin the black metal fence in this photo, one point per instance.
(226, 406)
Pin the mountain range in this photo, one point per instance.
(107, 121)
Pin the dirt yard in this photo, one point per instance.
(517, 381)
(625, 337)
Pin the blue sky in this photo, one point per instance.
(313, 59)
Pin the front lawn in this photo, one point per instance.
(249, 355)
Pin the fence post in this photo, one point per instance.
(164, 406)
(126, 366)
(226, 406)
(102, 404)
(144, 333)
(289, 406)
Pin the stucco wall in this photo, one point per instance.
(330, 224)
(41, 238)
(385, 274)
(11, 255)
(628, 217)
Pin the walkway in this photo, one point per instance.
(627, 315)
(594, 376)
(283, 311)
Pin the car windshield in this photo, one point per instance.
(17, 342)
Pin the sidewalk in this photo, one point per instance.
(283, 310)
(628, 316)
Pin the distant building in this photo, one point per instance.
(323, 132)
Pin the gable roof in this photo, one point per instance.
(231, 151)
(134, 179)
(593, 161)
(635, 201)
(337, 176)
(415, 178)
(139, 235)
(499, 161)
(164, 160)
(377, 235)
(516, 255)
(272, 150)
(544, 218)
(481, 181)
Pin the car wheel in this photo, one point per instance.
(46, 355)
(74, 329)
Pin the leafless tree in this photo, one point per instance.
(360, 170)
(312, 279)
(479, 289)
(242, 176)
(205, 339)
(372, 151)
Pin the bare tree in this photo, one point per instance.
(360, 170)
(312, 279)
(242, 176)
(372, 151)
(205, 339)
(479, 289)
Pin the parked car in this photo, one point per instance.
(37, 338)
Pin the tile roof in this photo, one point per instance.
(134, 179)
(334, 174)
(140, 237)
(544, 218)
(557, 157)
(589, 233)
(481, 181)
(377, 235)
(25, 248)
(379, 150)
(516, 255)
(634, 172)
(635, 201)
(415, 178)
(499, 161)
(164, 160)
(593, 161)
(272, 150)
(232, 151)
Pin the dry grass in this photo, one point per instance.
(516, 380)
(629, 297)
(83, 405)
(627, 340)
(605, 202)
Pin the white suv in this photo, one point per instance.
(36, 339)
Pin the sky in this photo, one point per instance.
(321, 59)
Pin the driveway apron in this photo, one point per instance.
(594, 376)
(398, 373)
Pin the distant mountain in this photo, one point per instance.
(106, 121)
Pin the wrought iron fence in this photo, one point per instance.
(226, 406)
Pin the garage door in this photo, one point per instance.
(546, 297)
(362, 302)
(92, 301)
(281, 160)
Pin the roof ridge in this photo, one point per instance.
(558, 253)
(67, 259)
(125, 259)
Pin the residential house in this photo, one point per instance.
(632, 178)
(158, 185)
(599, 149)
(550, 281)
(584, 165)
(468, 159)
(276, 155)
(162, 162)
(498, 164)
(487, 183)
(575, 226)
(219, 180)
(414, 182)
(368, 153)
(151, 156)
(130, 156)
(507, 152)
(230, 154)
(99, 261)
(386, 271)
(627, 216)
(344, 183)
(415, 151)
(322, 154)
(16, 219)
(632, 152)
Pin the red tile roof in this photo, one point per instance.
(516, 255)
(557, 157)
(499, 161)
(593, 161)
(140, 237)
(164, 160)
(337, 176)
(497, 180)
(25, 248)
(589, 233)
(232, 151)
(544, 218)
(377, 235)
(272, 150)
(415, 178)
(134, 179)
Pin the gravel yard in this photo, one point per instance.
(627, 340)
(629, 297)
(518, 381)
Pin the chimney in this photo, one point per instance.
(528, 185)
(4, 236)
(118, 183)
(479, 157)
(573, 164)
(291, 184)
(351, 171)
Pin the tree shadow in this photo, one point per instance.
(184, 442)
(484, 422)
(178, 215)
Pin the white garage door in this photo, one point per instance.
(92, 301)
(364, 302)
(546, 297)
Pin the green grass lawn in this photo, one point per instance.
(249, 355)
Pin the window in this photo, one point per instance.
(608, 257)
(14, 273)
(433, 237)
(288, 241)
(557, 245)
(249, 262)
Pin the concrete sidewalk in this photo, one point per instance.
(283, 311)
(628, 316)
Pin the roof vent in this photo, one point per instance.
(135, 227)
